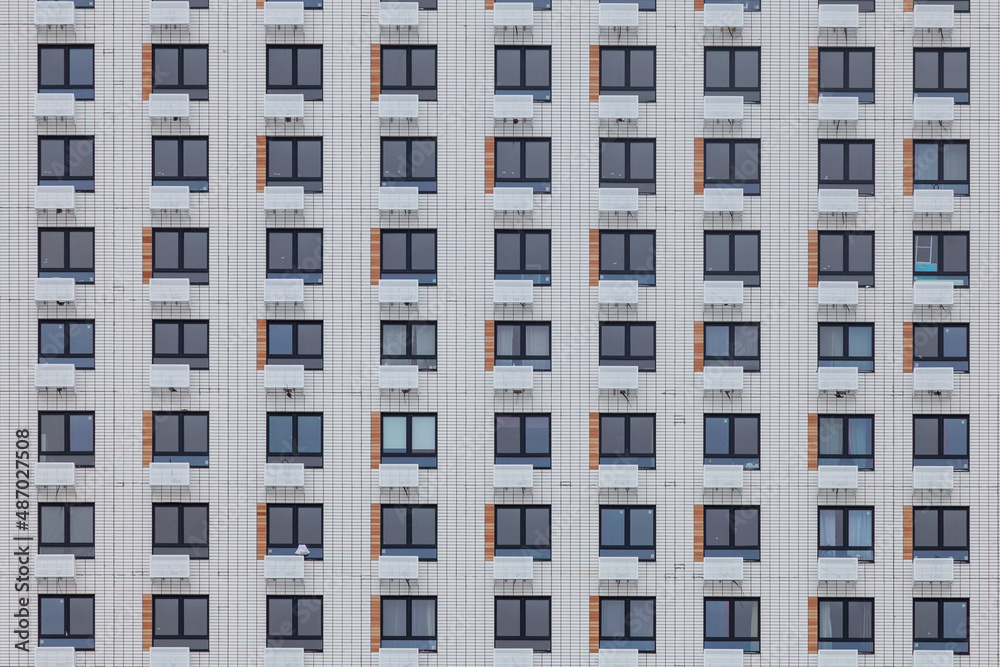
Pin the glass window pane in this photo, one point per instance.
(508, 159)
(954, 616)
(81, 433)
(424, 160)
(310, 163)
(717, 252)
(746, 525)
(81, 616)
(424, 251)
(612, 160)
(716, 435)
(311, 525)
(925, 341)
(81, 524)
(831, 69)
(508, 526)
(612, 340)
(955, 524)
(81, 67)
(831, 161)
(196, 158)
(424, 525)
(955, 253)
(925, 619)
(196, 250)
(52, 616)
(831, 341)
(642, 437)
(717, 68)
(642, 70)
(925, 69)
(642, 160)
(612, 618)
(955, 341)
(52, 523)
(862, 161)
(536, 160)
(925, 161)
(612, 527)
(424, 433)
(859, 342)
(310, 339)
(956, 69)
(612, 251)
(279, 159)
(279, 617)
(508, 251)
(394, 67)
(537, 617)
(746, 70)
(280, 251)
(925, 528)
(925, 436)
(394, 434)
(51, 66)
(861, 65)
(717, 527)
(861, 436)
(537, 527)
(613, 68)
(955, 160)
(166, 617)
(311, 67)
(394, 616)
(717, 161)
(747, 252)
(956, 437)
(716, 618)
(536, 68)
(642, 341)
(279, 434)
(641, 527)
(394, 251)
(860, 252)
(613, 435)
(508, 434)
(746, 432)
(167, 63)
(716, 341)
(536, 435)
(166, 157)
(195, 525)
(394, 526)
(279, 525)
(508, 617)
(508, 67)
(166, 433)
(859, 614)
(310, 617)
(746, 341)
(196, 67)
(536, 252)
(196, 432)
(52, 434)
(745, 616)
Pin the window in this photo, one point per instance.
(847, 165)
(628, 344)
(66, 69)
(409, 530)
(523, 255)
(863, 5)
(847, 532)
(198, 4)
(409, 253)
(410, 69)
(538, 4)
(733, 440)
(941, 165)
(628, 255)
(181, 620)
(295, 622)
(848, 72)
(289, 526)
(628, 531)
(941, 625)
(181, 437)
(181, 69)
(524, 70)
(524, 530)
(295, 437)
(628, 623)
(842, 345)
(66, 620)
(410, 344)
(66, 528)
(733, 256)
(296, 161)
(66, 161)
(627, 439)
(732, 623)
(296, 69)
(181, 342)
(733, 163)
(732, 531)
(66, 342)
(629, 70)
(66, 253)
(523, 439)
(733, 70)
(313, 4)
(524, 344)
(181, 253)
(180, 529)
(941, 256)
(409, 438)
(181, 161)
(941, 73)
(523, 622)
(295, 253)
(748, 5)
(410, 162)
(294, 343)
(941, 346)
(847, 256)
(941, 532)
(846, 623)
(847, 440)
(941, 440)
(627, 163)
(733, 344)
(644, 5)
(66, 437)
(959, 5)
(83, 4)
(409, 622)
(524, 162)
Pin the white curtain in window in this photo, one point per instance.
(536, 341)
(827, 529)
(858, 436)
(860, 528)
(826, 619)
(505, 340)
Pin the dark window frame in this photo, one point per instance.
(960, 187)
(424, 362)
(525, 547)
(423, 185)
(643, 461)
(310, 4)
(958, 364)
(424, 551)
(538, 94)
(750, 185)
(750, 95)
(83, 4)
(865, 187)
(959, 94)
(961, 6)
(82, 361)
(749, 644)
(540, 186)
(644, 93)
(644, 551)
(310, 93)
(197, 551)
(426, 93)
(644, 5)
(731, 458)
(86, 549)
(863, 5)
(80, 274)
(747, 552)
(630, 639)
(301, 269)
(646, 363)
(195, 183)
(422, 277)
(644, 277)
(864, 95)
(82, 458)
(70, 159)
(863, 645)
(309, 459)
(536, 361)
(80, 91)
(749, 363)
(863, 462)
(843, 548)
(748, 5)
(425, 643)
(311, 361)
(540, 277)
(196, 458)
(312, 183)
(864, 278)
(309, 643)
(646, 186)
(941, 430)
(961, 553)
(749, 278)
(959, 645)
(196, 275)
(195, 642)
(538, 5)
(81, 641)
(538, 643)
(194, 91)
(524, 457)
(196, 361)
(409, 456)
(846, 359)
(959, 279)
(285, 549)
